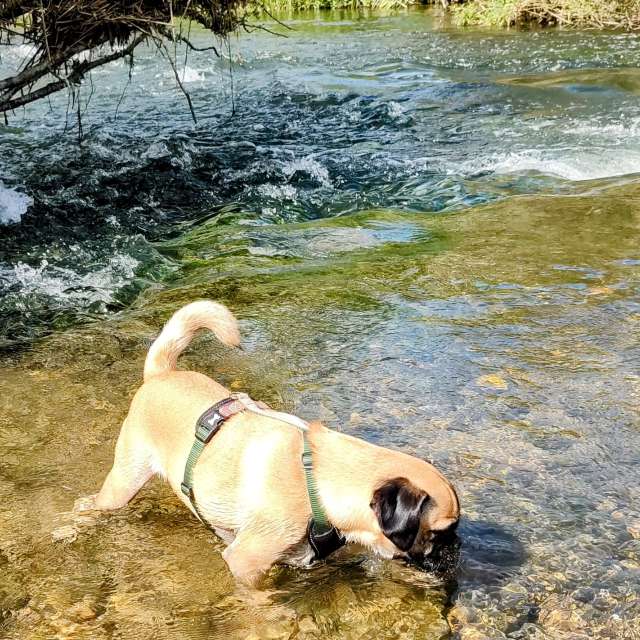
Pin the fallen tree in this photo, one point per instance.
(69, 38)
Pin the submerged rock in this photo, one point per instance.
(27, 616)
(460, 616)
(480, 633)
(561, 613)
(84, 610)
(306, 624)
(66, 533)
(492, 380)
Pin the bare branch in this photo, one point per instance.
(37, 71)
(59, 31)
(265, 9)
(79, 69)
(191, 46)
(177, 77)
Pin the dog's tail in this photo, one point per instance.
(179, 331)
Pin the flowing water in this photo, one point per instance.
(430, 237)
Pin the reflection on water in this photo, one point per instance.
(500, 341)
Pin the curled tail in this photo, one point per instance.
(179, 331)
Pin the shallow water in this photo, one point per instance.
(431, 239)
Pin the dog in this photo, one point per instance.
(249, 482)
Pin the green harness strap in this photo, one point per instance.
(208, 425)
(187, 482)
(320, 521)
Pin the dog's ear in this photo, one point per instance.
(399, 505)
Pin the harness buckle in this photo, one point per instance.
(208, 426)
(324, 542)
(307, 460)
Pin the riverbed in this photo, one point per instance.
(431, 239)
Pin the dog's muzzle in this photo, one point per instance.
(439, 558)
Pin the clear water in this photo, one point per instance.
(431, 238)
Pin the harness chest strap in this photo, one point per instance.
(207, 426)
(323, 537)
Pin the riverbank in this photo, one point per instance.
(611, 14)
(588, 14)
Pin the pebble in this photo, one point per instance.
(66, 630)
(274, 631)
(561, 614)
(634, 529)
(479, 633)
(492, 380)
(630, 564)
(27, 615)
(599, 291)
(84, 503)
(83, 611)
(306, 624)
(66, 533)
(461, 615)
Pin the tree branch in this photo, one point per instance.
(35, 72)
(178, 81)
(74, 78)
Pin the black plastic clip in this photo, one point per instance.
(208, 426)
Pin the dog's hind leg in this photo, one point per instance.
(132, 468)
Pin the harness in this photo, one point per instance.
(322, 536)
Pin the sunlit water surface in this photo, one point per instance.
(431, 239)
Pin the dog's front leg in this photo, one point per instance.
(253, 553)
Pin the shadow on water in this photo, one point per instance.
(353, 589)
(490, 554)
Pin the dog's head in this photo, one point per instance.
(422, 529)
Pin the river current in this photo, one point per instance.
(430, 236)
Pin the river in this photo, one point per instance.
(431, 238)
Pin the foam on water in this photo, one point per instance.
(66, 284)
(70, 281)
(188, 74)
(574, 166)
(13, 205)
(278, 192)
(309, 166)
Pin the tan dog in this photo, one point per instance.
(249, 482)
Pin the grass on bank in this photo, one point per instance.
(306, 5)
(600, 14)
